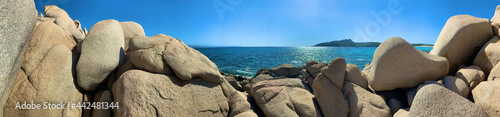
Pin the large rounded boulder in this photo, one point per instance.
(489, 55)
(397, 64)
(141, 93)
(461, 38)
(131, 29)
(168, 55)
(101, 53)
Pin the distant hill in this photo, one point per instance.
(350, 43)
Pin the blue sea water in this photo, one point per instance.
(246, 61)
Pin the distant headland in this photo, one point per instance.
(350, 43)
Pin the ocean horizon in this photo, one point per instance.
(246, 61)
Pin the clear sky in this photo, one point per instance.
(279, 22)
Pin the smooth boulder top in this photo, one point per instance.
(397, 64)
(495, 21)
(354, 75)
(131, 29)
(461, 38)
(472, 75)
(335, 72)
(101, 53)
(184, 61)
(63, 19)
(489, 55)
(286, 70)
(435, 100)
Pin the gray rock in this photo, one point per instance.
(354, 75)
(397, 64)
(435, 100)
(363, 103)
(330, 98)
(101, 53)
(456, 85)
(286, 70)
(17, 20)
(141, 93)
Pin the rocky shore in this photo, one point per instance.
(49, 58)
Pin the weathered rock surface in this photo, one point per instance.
(487, 95)
(495, 73)
(456, 85)
(161, 50)
(286, 70)
(495, 21)
(461, 38)
(234, 83)
(44, 37)
(284, 97)
(131, 29)
(330, 98)
(63, 20)
(435, 100)
(18, 18)
(101, 97)
(363, 103)
(335, 72)
(472, 75)
(51, 81)
(401, 113)
(101, 53)
(354, 75)
(489, 55)
(397, 64)
(141, 93)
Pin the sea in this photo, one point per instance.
(246, 61)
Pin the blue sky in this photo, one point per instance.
(279, 22)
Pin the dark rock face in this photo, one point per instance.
(17, 20)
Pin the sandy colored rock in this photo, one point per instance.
(401, 113)
(286, 70)
(184, 61)
(435, 100)
(64, 21)
(141, 93)
(364, 103)
(44, 37)
(456, 85)
(335, 71)
(284, 97)
(330, 99)
(487, 95)
(101, 97)
(131, 29)
(495, 21)
(18, 18)
(495, 73)
(461, 38)
(354, 75)
(234, 83)
(489, 55)
(472, 75)
(101, 53)
(52, 82)
(397, 64)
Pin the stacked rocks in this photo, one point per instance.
(51, 59)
